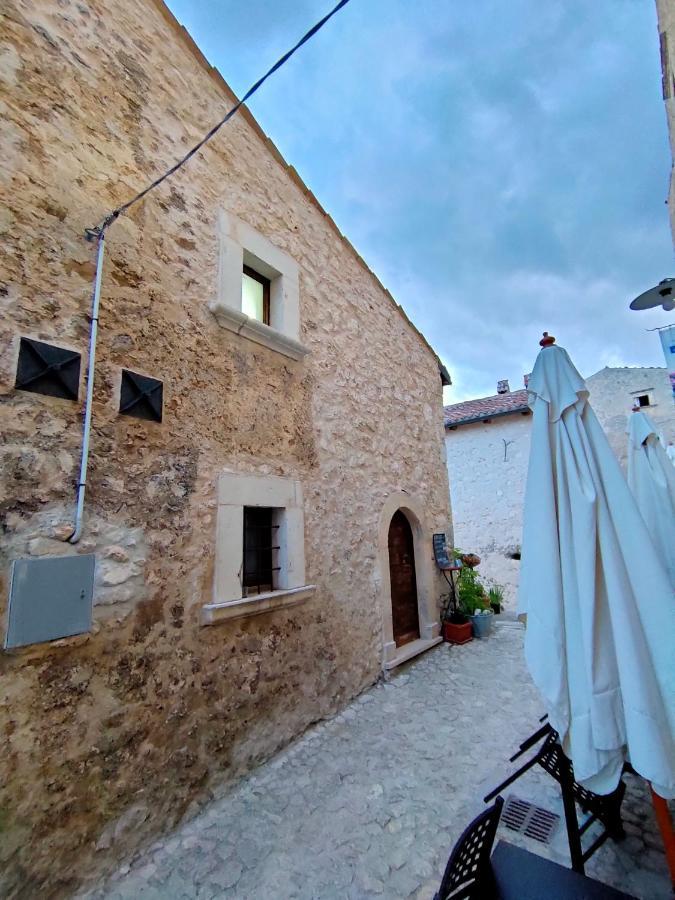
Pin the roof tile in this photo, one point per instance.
(485, 408)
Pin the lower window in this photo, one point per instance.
(261, 549)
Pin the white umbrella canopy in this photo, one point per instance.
(600, 641)
(651, 478)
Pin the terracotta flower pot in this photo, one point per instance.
(471, 560)
(457, 634)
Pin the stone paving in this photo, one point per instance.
(368, 804)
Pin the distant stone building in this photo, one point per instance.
(488, 446)
(666, 19)
(267, 459)
(614, 391)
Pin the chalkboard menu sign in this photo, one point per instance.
(443, 561)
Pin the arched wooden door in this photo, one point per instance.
(405, 617)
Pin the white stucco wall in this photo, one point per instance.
(487, 493)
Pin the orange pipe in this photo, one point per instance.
(666, 828)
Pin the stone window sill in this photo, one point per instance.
(238, 322)
(213, 613)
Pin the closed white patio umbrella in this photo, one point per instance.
(651, 478)
(600, 638)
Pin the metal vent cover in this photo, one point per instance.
(141, 396)
(529, 820)
(46, 369)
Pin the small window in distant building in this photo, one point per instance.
(261, 547)
(643, 399)
(255, 295)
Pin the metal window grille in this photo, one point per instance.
(260, 547)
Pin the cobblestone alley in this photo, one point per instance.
(370, 803)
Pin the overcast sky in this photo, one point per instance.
(502, 165)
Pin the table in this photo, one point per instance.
(521, 875)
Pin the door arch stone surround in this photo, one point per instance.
(427, 601)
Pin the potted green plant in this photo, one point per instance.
(496, 597)
(473, 602)
(456, 626)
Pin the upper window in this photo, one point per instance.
(642, 399)
(255, 295)
(258, 294)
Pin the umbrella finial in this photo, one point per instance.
(547, 340)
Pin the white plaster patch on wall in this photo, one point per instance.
(120, 556)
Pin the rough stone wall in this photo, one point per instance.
(666, 22)
(112, 737)
(612, 392)
(487, 494)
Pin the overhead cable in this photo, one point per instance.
(110, 218)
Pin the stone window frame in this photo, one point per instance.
(644, 392)
(284, 495)
(241, 245)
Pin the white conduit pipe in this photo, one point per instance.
(86, 430)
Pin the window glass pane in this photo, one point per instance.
(259, 545)
(252, 297)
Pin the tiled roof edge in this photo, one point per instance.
(488, 415)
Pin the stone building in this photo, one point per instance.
(267, 457)
(666, 22)
(614, 391)
(488, 447)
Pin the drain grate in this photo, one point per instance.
(530, 820)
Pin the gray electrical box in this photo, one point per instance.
(49, 598)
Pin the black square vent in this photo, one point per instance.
(141, 396)
(46, 369)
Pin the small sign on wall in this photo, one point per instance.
(443, 561)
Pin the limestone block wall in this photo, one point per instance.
(487, 481)
(112, 737)
(612, 393)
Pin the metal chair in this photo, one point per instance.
(468, 874)
(605, 809)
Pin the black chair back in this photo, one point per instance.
(468, 875)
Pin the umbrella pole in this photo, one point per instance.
(666, 828)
